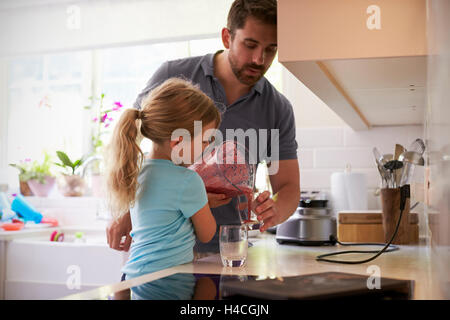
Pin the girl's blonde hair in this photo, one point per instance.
(174, 104)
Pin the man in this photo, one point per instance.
(235, 77)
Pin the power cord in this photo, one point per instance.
(404, 194)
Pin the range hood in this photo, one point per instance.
(365, 59)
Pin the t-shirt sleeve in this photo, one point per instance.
(287, 143)
(160, 75)
(193, 196)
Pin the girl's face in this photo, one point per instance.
(202, 140)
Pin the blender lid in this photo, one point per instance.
(309, 203)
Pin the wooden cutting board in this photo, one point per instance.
(369, 217)
(367, 226)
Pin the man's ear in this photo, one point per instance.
(226, 38)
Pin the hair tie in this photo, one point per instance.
(140, 115)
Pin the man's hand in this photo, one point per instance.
(266, 210)
(286, 186)
(117, 230)
(216, 200)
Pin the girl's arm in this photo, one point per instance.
(204, 224)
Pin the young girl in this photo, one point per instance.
(167, 202)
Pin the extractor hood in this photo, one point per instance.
(365, 59)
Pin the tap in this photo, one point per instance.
(87, 162)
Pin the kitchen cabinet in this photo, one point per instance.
(365, 59)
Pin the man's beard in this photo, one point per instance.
(246, 79)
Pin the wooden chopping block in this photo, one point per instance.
(367, 226)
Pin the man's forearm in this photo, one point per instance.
(287, 199)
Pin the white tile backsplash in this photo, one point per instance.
(339, 158)
(323, 151)
(306, 158)
(70, 211)
(384, 138)
(320, 137)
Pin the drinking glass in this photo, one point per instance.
(233, 240)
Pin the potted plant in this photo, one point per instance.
(72, 183)
(104, 113)
(41, 180)
(24, 168)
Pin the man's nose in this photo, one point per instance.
(259, 56)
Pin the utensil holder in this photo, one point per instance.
(390, 206)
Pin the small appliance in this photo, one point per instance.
(312, 224)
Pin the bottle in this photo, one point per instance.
(79, 237)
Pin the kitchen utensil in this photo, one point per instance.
(392, 166)
(227, 169)
(417, 146)
(412, 157)
(399, 149)
(386, 158)
(410, 160)
(377, 154)
(389, 174)
(383, 173)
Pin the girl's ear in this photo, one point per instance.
(226, 38)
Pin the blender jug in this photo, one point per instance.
(227, 170)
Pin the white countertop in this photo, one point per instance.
(269, 259)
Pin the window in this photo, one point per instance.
(44, 105)
(47, 93)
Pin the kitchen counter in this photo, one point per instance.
(267, 258)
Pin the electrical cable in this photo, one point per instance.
(404, 194)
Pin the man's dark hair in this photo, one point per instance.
(263, 10)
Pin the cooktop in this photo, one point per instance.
(327, 285)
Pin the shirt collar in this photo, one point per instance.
(208, 68)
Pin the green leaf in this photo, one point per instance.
(77, 163)
(64, 159)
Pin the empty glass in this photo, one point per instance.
(233, 240)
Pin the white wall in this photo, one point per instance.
(55, 25)
(3, 120)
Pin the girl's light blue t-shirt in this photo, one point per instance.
(163, 235)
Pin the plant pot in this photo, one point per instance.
(25, 189)
(42, 189)
(71, 185)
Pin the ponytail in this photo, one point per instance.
(124, 161)
(173, 104)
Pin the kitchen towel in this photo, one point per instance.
(348, 191)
